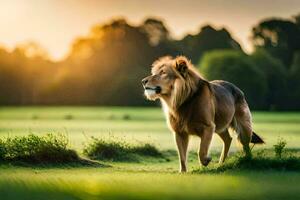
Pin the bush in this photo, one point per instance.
(103, 150)
(116, 150)
(146, 150)
(37, 149)
(236, 67)
(126, 117)
(2, 150)
(275, 74)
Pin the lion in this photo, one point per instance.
(195, 106)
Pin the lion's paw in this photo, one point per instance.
(206, 161)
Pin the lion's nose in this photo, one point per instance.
(145, 81)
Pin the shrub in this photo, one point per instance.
(37, 149)
(2, 150)
(146, 150)
(279, 147)
(126, 117)
(116, 150)
(275, 74)
(236, 67)
(103, 150)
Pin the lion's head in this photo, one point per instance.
(173, 80)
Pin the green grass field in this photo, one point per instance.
(149, 178)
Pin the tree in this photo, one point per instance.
(280, 37)
(208, 38)
(156, 31)
(105, 67)
(23, 72)
(293, 92)
(236, 67)
(297, 20)
(159, 37)
(111, 61)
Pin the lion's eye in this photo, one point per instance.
(162, 72)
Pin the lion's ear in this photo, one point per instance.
(181, 66)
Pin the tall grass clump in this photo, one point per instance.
(279, 147)
(35, 149)
(117, 150)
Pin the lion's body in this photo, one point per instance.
(194, 106)
(215, 101)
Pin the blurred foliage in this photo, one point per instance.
(280, 37)
(105, 66)
(208, 38)
(237, 68)
(293, 92)
(275, 75)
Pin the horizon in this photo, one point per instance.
(50, 31)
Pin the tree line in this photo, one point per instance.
(105, 67)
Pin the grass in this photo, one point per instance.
(261, 160)
(115, 184)
(264, 177)
(279, 147)
(145, 124)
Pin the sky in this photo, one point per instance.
(54, 24)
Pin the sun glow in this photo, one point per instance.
(55, 24)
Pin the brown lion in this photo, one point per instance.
(195, 106)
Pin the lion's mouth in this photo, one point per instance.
(156, 89)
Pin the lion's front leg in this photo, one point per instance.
(182, 141)
(206, 138)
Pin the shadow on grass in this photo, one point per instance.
(81, 162)
(261, 160)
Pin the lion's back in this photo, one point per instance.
(225, 88)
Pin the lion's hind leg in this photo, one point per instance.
(226, 138)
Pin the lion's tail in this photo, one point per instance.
(256, 139)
